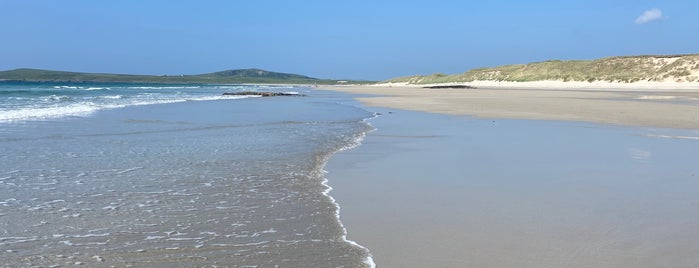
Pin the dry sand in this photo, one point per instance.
(623, 106)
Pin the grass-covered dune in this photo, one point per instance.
(224, 77)
(626, 69)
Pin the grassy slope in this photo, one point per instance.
(614, 69)
(223, 77)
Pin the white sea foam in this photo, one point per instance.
(639, 154)
(673, 137)
(87, 108)
(648, 97)
(55, 98)
(112, 97)
(165, 87)
(129, 170)
(241, 245)
(16, 240)
(79, 109)
(90, 235)
(354, 143)
(184, 238)
(222, 97)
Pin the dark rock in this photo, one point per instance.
(451, 86)
(263, 94)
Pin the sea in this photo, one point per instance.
(144, 175)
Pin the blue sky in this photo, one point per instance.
(334, 39)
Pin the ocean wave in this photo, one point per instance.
(164, 87)
(82, 88)
(86, 108)
(57, 98)
(40, 113)
(41, 102)
(222, 97)
(96, 88)
(113, 97)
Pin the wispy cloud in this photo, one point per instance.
(650, 15)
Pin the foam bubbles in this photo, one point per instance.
(39, 113)
(42, 103)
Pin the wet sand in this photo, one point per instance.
(435, 190)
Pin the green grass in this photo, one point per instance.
(244, 76)
(615, 69)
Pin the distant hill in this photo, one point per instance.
(252, 76)
(627, 69)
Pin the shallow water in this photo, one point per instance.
(235, 182)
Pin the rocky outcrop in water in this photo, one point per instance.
(450, 86)
(262, 94)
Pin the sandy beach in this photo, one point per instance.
(623, 106)
(456, 178)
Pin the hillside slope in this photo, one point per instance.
(627, 69)
(222, 77)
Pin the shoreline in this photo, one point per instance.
(627, 107)
(356, 142)
(561, 85)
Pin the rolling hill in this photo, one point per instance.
(252, 76)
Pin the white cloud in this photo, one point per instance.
(650, 15)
